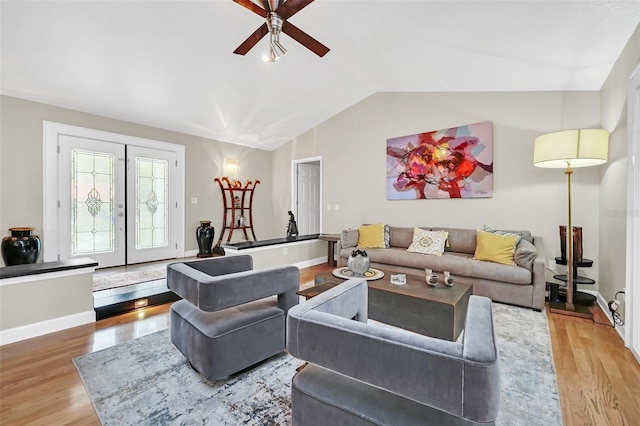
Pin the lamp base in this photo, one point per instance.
(571, 310)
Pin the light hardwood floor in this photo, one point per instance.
(598, 378)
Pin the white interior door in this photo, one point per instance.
(91, 203)
(308, 198)
(151, 205)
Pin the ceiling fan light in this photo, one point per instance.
(271, 57)
(273, 52)
(279, 49)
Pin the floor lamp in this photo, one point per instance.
(564, 150)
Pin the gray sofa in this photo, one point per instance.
(522, 284)
(365, 374)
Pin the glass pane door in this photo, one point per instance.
(151, 208)
(91, 185)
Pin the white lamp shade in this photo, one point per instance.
(574, 148)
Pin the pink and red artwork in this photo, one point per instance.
(449, 163)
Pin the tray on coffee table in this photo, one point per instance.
(345, 273)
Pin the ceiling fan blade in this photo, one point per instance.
(252, 40)
(304, 39)
(252, 7)
(291, 7)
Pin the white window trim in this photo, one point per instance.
(51, 132)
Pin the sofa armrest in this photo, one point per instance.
(213, 293)
(432, 371)
(539, 278)
(338, 250)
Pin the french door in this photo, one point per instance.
(150, 207)
(116, 203)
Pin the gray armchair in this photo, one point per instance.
(227, 320)
(363, 374)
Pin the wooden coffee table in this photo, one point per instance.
(433, 311)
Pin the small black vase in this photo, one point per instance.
(21, 247)
(204, 236)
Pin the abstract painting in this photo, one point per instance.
(449, 163)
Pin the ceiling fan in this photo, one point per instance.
(276, 13)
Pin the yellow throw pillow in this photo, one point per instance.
(371, 236)
(496, 248)
(428, 242)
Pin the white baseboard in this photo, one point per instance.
(190, 253)
(45, 327)
(604, 305)
(311, 262)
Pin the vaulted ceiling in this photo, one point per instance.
(169, 64)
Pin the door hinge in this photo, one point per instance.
(176, 204)
(176, 163)
(58, 203)
(58, 149)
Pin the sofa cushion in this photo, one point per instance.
(371, 236)
(349, 238)
(459, 264)
(428, 242)
(402, 236)
(495, 247)
(459, 240)
(525, 254)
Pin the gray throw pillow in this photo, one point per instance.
(525, 254)
(349, 238)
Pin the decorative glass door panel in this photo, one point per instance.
(91, 189)
(92, 203)
(152, 210)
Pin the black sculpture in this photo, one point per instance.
(292, 228)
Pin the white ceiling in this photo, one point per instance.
(169, 64)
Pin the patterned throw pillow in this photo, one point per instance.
(521, 235)
(387, 236)
(428, 242)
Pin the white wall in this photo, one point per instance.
(352, 145)
(613, 185)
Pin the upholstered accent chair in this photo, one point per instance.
(231, 316)
(364, 374)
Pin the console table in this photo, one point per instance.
(579, 297)
(331, 240)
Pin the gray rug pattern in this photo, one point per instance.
(147, 381)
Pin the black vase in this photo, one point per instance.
(21, 247)
(204, 236)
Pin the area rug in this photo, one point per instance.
(147, 381)
(129, 278)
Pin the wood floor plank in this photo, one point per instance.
(598, 378)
